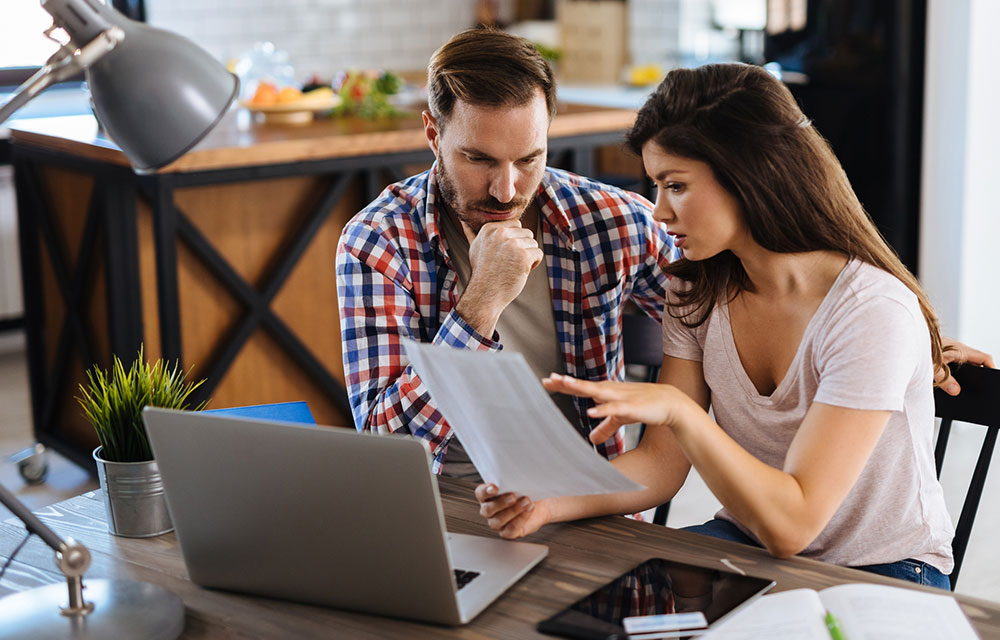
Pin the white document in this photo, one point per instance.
(513, 432)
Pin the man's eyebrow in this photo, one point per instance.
(472, 151)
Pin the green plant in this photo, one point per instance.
(366, 93)
(549, 53)
(113, 403)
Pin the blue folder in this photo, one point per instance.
(282, 411)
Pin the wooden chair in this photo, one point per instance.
(642, 344)
(979, 403)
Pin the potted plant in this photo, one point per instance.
(130, 479)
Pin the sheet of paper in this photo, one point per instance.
(513, 432)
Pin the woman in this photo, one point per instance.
(791, 316)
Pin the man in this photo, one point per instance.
(490, 249)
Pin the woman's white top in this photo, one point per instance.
(866, 347)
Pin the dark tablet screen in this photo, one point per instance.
(656, 586)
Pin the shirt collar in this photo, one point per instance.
(431, 209)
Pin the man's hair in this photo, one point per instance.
(792, 191)
(487, 68)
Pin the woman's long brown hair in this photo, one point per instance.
(793, 192)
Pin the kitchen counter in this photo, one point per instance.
(240, 141)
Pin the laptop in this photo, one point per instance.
(323, 516)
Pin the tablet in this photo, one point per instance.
(657, 599)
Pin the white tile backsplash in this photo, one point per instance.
(321, 36)
(326, 36)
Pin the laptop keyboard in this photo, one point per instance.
(463, 577)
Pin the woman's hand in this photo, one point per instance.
(510, 515)
(960, 353)
(621, 403)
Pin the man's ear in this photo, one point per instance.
(432, 131)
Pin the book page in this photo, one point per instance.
(790, 615)
(879, 612)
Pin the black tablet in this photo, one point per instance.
(657, 599)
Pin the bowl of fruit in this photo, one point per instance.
(289, 105)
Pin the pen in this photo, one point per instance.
(834, 627)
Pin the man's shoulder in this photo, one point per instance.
(589, 194)
(598, 210)
(399, 208)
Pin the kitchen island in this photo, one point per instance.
(223, 260)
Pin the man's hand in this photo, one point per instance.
(509, 515)
(961, 353)
(501, 255)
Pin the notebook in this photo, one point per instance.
(323, 516)
(857, 611)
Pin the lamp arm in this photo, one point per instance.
(64, 64)
(72, 558)
(30, 520)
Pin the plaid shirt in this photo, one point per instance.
(394, 278)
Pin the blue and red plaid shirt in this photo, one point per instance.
(395, 279)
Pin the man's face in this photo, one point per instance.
(490, 160)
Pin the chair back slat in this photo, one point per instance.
(944, 431)
(978, 403)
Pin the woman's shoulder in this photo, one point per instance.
(867, 283)
(868, 301)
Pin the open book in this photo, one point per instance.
(862, 611)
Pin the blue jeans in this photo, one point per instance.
(909, 570)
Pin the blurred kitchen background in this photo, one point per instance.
(905, 90)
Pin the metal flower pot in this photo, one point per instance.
(134, 497)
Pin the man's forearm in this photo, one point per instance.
(477, 310)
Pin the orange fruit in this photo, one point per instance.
(265, 96)
(289, 94)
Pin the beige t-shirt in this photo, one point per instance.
(526, 326)
(866, 347)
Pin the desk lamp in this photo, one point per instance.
(157, 94)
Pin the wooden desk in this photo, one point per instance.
(582, 557)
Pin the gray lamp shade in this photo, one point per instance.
(157, 94)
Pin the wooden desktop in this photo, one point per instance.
(582, 556)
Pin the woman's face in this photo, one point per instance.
(703, 218)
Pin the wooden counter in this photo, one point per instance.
(240, 141)
(223, 260)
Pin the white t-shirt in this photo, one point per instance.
(866, 347)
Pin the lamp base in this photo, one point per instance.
(122, 609)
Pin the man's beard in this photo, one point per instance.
(448, 195)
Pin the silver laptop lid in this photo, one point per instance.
(323, 516)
